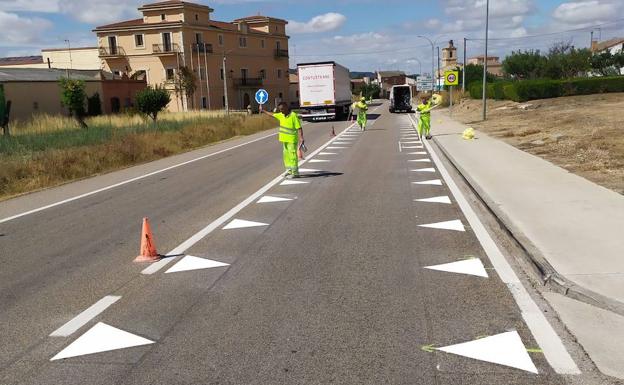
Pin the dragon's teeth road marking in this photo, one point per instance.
(292, 182)
(431, 169)
(441, 199)
(242, 224)
(504, 349)
(432, 182)
(420, 160)
(83, 318)
(454, 225)
(101, 338)
(472, 266)
(190, 262)
(272, 199)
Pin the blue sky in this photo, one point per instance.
(364, 35)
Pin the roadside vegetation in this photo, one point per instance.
(51, 150)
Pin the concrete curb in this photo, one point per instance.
(542, 270)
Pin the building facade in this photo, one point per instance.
(175, 35)
(495, 67)
(79, 58)
(615, 45)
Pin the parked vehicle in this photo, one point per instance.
(324, 91)
(401, 99)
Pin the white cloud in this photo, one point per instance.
(100, 11)
(321, 23)
(590, 11)
(49, 6)
(17, 30)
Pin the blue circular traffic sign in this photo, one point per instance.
(262, 96)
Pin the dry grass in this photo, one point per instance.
(28, 164)
(583, 134)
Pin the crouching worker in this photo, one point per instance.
(290, 135)
(424, 121)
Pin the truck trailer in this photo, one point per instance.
(401, 99)
(324, 91)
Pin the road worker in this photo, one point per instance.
(424, 121)
(290, 135)
(360, 108)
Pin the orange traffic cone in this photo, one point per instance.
(148, 251)
(333, 133)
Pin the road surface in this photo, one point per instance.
(335, 279)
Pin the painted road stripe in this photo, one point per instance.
(336, 147)
(83, 318)
(101, 338)
(181, 249)
(327, 153)
(442, 199)
(190, 263)
(319, 161)
(292, 182)
(454, 225)
(417, 153)
(472, 266)
(554, 351)
(272, 199)
(420, 160)
(424, 170)
(432, 182)
(131, 180)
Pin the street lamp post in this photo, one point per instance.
(485, 58)
(432, 56)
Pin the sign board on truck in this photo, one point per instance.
(316, 84)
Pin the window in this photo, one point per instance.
(220, 39)
(278, 44)
(262, 43)
(451, 56)
(262, 74)
(279, 73)
(169, 73)
(221, 73)
(196, 17)
(244, 73)
(204, 102)
(199, 38)
(163, 17)
(281, 95)
(35, 105)
(202, 74)
(223, 101)
(138, 41)
(242, 42)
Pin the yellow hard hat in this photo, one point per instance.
(436, 98)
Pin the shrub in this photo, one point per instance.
(73, 97)
(151, 101)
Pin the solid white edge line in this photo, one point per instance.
(548, 340)
(131, 180)
(83, 318)
(156, 266)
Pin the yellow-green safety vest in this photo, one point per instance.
(424, 108)
(289, 126)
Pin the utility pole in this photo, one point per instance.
(206, 74)
(225, 90)
(591, 40)
(199, 73)
(432, 59)
(485, 59)
(464, 69)
(438, 73)
(70, 58)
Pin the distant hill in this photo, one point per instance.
(360, 75)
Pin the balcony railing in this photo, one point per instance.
(281, 53)
(248, 82)
(202, 47)
(114, 51)
(165, 48)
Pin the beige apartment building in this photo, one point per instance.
(495, 67)
(176, 34)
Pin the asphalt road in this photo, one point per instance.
(331, 289)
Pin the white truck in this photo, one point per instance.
(324, 91)
(401, 99)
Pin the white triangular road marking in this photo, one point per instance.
(420, 160)
(433, 182)
(319, 161)
(101, 338)
(292, 182)
(455, 225)
(504, 349)
(241, 224)
(472, 266)
(190, 262)
(442, 199)
(272, 199)
(424, 170)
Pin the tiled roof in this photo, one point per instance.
(45, 74)
(608, 43)
(259, 18)
(122, 24)
(223, 25)
(4, 61)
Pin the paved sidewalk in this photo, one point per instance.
(573, 225)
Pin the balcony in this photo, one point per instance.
(112, 52)
(165, 49)
(281, 53)
(202, 47)
(248, 82)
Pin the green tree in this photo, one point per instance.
(185, 83)
(474, 73)
(5, 108)
(564, 61)
(606, 63)
(371, 91)
(151, 101)
(528, 64)
(73, 97)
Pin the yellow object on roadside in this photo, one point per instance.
(436, 99)
(468, 133)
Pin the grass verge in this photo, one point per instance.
(41, 155)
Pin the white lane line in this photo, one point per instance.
(131, 180)
(319, 160)
(548, 340)
(424, 170)
(327, 153)
(420, 160)
(336, 147)
(433, 182)
(83, 318)
(289, 182)
(181, 249)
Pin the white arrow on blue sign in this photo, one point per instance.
(262, 96)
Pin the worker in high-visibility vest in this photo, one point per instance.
(290, 135)
(424, 121)
(360, 108)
